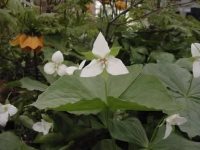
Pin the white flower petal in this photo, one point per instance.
(195, 49)
(100, 47)
(70, 70)
(12, 110)
(196, 69)
(93, 69)
(115, 66)
(49, 68)
(57, 57)
(3, 118)
(42, 126)
(180, 121)
(47, 126)
(82, 65)
(168, 130)
(176, 119)
(62, 70)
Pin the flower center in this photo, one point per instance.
(103, 61)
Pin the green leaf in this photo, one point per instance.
(31, 85)
(7, 18)
(73, 93)
(185, 63)
(26, 121)
(173, 142)
(129, 130)
(92, 106)
(56, 41)
(116, 104)
(162, 57)
(88, 55)
(49, 138)
(184, 89)
(115, 50)
(124, 81)
(48, 52)
(72, 89)
(9, 141)
(148, 91)
(106, 144)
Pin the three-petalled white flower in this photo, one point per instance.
(195, 50)
(42, 127)
(172, 120)
(55, 66)
(70, 70)
(6, 111)
(113, 66)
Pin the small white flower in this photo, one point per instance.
(42, 127)
(5, 112)
(195, 50)
(171, 121)
(113, 66)
(56, 66)
(70, 70)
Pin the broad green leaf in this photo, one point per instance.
(185, 63)
(106, 144)
(129, 130)
(130, 94)
(31, 84)
(162, 57)
(148, 91)
(184, 89)
(72, 89)
(92, 106)
(122, 82)
(116, 104)
(173, 142)
(9, 141)
(76, 94)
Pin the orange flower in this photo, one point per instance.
(28, 43)
(120, 5)
(18, 40)
(33, 43)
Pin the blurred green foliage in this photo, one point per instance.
(145, 32)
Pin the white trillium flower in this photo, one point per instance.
(6, 111)
(70, 70)
(113, 66)
(195, 50)
(56, 66)
(42, 127)
(172, 120)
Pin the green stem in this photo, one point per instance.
(35, 65)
